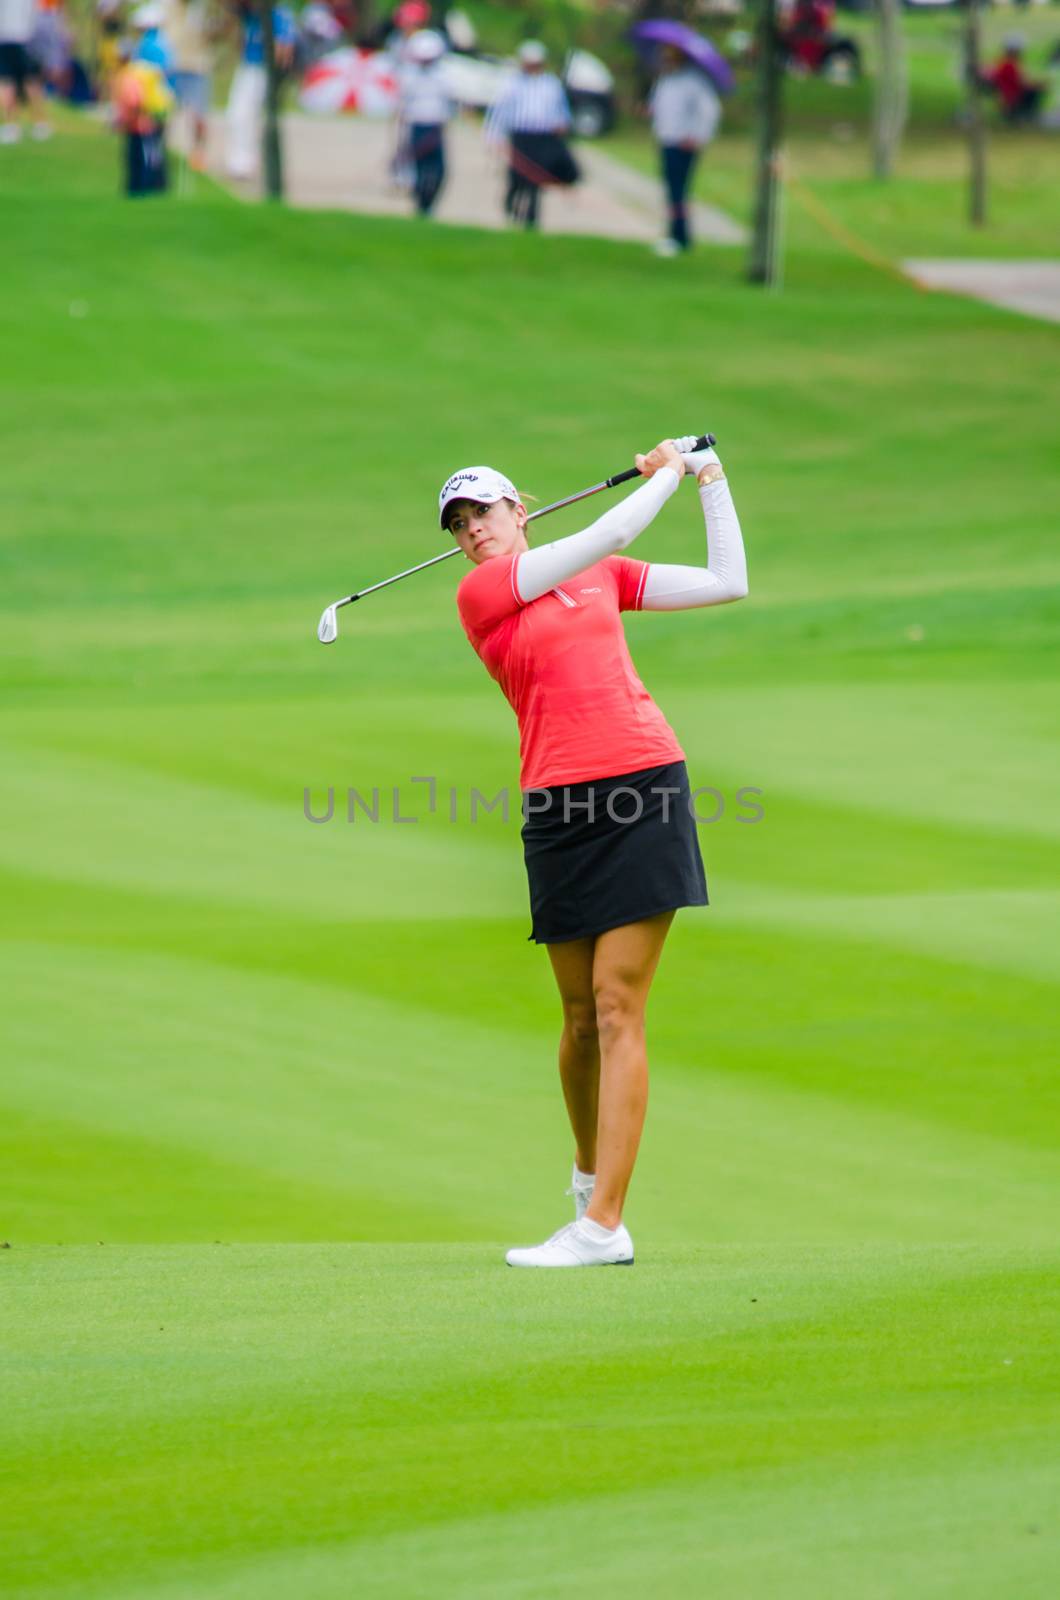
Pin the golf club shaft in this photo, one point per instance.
(704, 442)
(433, 562)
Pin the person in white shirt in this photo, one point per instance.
(425, 108)
(531, 114)
(685, 112)
(19, 72)
(247, 91)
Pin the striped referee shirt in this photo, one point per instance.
(532, 102)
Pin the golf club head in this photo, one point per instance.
(328, 627)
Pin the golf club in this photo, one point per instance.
(328, 626)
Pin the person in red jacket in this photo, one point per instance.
(1018, 95)
(808, 33)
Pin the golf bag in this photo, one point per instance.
(557, 161)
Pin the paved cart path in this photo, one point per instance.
(340, 163)
(1032, 287)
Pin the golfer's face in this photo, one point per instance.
(483, 531)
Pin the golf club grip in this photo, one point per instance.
(704, 442)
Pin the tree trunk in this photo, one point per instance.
(976, 121)
(762, 267)
(272, 152)
(891, 101)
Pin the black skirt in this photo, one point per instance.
(610, 851)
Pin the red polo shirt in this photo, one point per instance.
(564, 666)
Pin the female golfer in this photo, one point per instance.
(609, 837)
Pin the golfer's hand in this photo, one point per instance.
(696, 460)
(664, 455)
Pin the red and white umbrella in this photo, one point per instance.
(351, 80)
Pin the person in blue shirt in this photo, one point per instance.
(246, 97)
(152, 45)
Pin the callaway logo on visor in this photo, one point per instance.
(459, 477)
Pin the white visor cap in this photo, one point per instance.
(476, 483)
(532, 53)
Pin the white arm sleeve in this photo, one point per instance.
(537, 571)
(724, 577)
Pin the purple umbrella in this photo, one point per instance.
(699, 51)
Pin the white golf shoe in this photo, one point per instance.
(581, 1187)
(579, 1244)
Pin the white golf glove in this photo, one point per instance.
(696, 460)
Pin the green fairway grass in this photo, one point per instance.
(276, 1096)
(337, 1420)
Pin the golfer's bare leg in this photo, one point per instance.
(624, 964)
(579, 1045)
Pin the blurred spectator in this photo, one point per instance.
(142, 102)
(319, 30)
(347, 14)
(1019, 97)
(532, 114)
(685, 112)
(807, 34)
(19, 73)
(152, 44)
(51, 46)
(190, 35)
(246, 98)
(408, 19)
(425, 110)
(108, 44)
